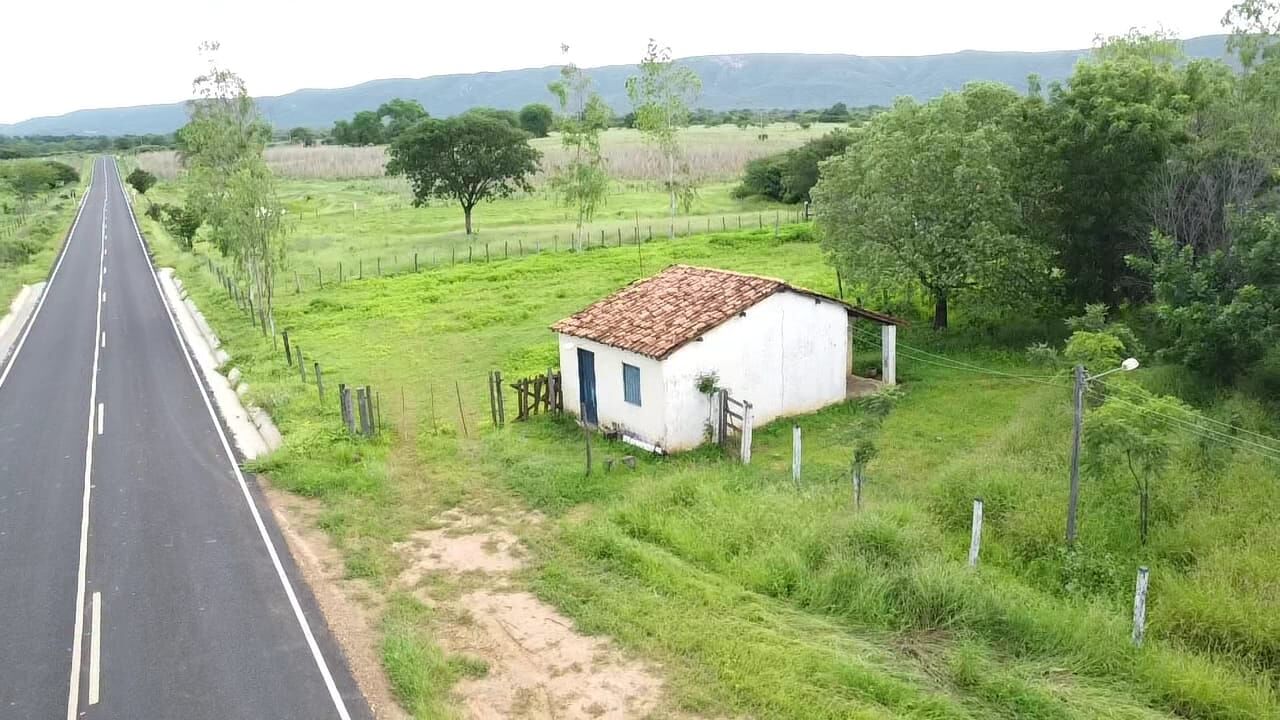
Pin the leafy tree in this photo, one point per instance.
(341, 133)
(398, 115)
(1120, 117)
(582, 182)
(141, 180)
(789, 176)
(62, 174)
(303, 136)
(662, 94)
(506, 116)
(838, 113)
(1133, 430)
(31, 178)
(229, 184)
(366, 128)
(536, 119)
(468, 158)
(1220, 311)
(924, 193)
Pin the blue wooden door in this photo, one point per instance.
(587, 385)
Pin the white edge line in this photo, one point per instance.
(77, 640)
(339, 704)
(13, 356)
(95, 649)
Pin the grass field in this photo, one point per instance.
(714, 154)
(345, 229)
(760, 599)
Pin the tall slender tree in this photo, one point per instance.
(229, 183)
(583, 181)
(662, 94)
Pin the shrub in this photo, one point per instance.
(141, 180)
(789, 176)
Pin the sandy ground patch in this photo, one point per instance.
(351, 608)
(539, 666)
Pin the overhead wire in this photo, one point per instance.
(1204, 432)
(1111, 387)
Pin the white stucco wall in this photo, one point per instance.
(645, 421)
(787, 355)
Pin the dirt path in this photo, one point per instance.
(539, 665)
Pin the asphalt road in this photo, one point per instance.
(141, 575)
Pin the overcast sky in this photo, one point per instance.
(72, 54)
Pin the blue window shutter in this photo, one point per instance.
(631, 384)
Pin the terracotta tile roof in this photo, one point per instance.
(658, 315)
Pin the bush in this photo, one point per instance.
(15, 251)
(789, 176)
(141, 180)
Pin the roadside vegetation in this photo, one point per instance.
(1015, 253)
(38, 200)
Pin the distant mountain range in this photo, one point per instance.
(757, 81)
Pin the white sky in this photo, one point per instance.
(71, 54)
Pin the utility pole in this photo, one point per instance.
(1074, 497)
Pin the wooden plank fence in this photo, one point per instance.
(534, 395)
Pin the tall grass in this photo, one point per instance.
(712, 154)
(760, 599)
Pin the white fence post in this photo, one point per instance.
(889, 354)
(746, 433)
(795, 454)
(1140, 606)
(975, 537)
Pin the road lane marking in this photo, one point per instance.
(101, 416)
(338, 703)
(77, 640)
(31, 322)
(104, 338)
(95, 649)
(104, 296)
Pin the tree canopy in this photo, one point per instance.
(469, 158)
(536, 119)
(925, 194)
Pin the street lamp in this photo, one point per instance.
(1073, 498)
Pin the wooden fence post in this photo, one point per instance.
(1140, 606)
(320, 278)
(362, 409)
(747, 419)
(493, 400)
(288, 354)
(795, 454)
(302, 366)
(975, 533)
(502, 409)
(319, 382)
(339, 272)
(461, 415)
(415, 262)
(297, 283)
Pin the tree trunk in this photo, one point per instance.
(671, 190)
(1144, 503)
(940, 310)
(466, 211)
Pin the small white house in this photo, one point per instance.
(631, 362)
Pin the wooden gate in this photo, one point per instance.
(732, 427)
(540, 393)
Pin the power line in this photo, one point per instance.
(953, 364)
(1198, 416)
(1263, 450)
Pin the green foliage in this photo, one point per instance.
(925, 193)
(789, 176)
(505, 116)
(1097, 351)
(398, 115)
(29, 178)
(1220, 310)
(229, 185)
(1132, 429)
(303, 136)
(140, 180)
(838, 113)
(536, 119)
(661, 95)
(582, 182)
(469, 158)
(1118, 119)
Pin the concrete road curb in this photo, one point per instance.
(254, 432)
(19, 312)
